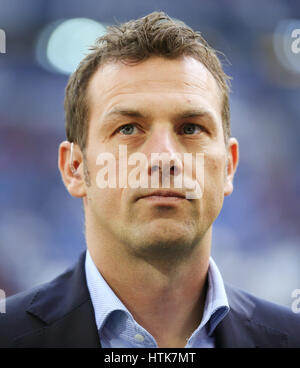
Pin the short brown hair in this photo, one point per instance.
(135, 41)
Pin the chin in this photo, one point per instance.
(169, 242)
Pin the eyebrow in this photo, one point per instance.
(190, 113)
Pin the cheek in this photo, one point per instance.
(214, 164)
(106, 199)
(105, 203)
(214, 170)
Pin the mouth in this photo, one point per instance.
(162, 196)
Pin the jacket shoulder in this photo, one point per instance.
(266, 315)
(17, 319)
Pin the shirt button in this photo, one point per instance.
(138, 337)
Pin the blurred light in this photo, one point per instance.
(63, 44)
(286, 44)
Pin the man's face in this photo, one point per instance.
(150, 107)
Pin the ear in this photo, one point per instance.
(232, 163)
(73, 179)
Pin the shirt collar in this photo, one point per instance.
(216, 303)
(105, 301)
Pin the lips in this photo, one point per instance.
(164, 193)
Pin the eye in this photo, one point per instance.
(191, 128)
(127, 129)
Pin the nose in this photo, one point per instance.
(163, 152)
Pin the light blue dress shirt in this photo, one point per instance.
(118, 329)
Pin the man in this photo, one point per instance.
(151, 85)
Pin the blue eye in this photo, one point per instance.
(127, 129)
(191, 128)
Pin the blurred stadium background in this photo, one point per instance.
(256, 237)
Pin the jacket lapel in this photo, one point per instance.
(65, 307)
(234, 332)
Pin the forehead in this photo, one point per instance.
(183, 80)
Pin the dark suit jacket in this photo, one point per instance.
(60, 314)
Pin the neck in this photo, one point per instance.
(167, 300)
